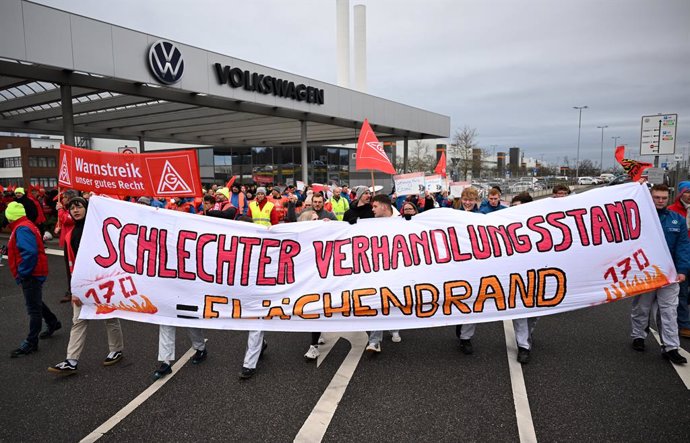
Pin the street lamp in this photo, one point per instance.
(601, 162)
(579, 128)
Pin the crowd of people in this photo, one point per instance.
(272, 205)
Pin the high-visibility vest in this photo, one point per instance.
(339, 207)
(280, 205)
(261, 216)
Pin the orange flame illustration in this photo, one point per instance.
(636, 286)
(145, 308)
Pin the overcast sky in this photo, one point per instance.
(513, 70)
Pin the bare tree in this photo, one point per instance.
(587, 168)
(460, 151)
(421, 158)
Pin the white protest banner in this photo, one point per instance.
(300, 185)
(435, 183)
(409, 184)
(456, 188)
(441, 267)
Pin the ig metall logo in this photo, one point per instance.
(165, 61)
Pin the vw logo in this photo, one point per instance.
(165, 61)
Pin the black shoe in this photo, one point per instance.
(638, 344)
(63, 368)
(112, 358)
(50, 330)
(264, 345)
(161, 372)
(24, 349)
(247, 373)
(466, 347)
(523, 355)
(674, 356)
(199, 356)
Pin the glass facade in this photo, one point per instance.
(44, 182)
(266, 165)
(11, 162)
(41, 162)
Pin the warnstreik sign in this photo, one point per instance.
(162, 174)
(441, 267)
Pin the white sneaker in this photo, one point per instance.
(321, 340)
(313, 353)
(396, 337)
(374, 347)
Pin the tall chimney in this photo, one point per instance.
(361, 48)
(342, 22)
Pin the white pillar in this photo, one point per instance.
(303, 151)
(360, 48)
(342, 25)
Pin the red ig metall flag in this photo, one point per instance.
(370, 153)
(441, 166)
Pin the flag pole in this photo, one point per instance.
(373, 185)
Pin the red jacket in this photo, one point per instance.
(40, 217)
(66, 223)
(14, 253)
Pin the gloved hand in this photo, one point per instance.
(352, 221)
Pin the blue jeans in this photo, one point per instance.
(37, 310)
(683, 312)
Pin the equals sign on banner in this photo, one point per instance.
(187, 308)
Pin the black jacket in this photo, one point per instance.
(356, 212)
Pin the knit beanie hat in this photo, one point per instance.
(19, 191)
(144, 201)
(260, 190)
(14, 211)
(683, 187)
(81, 200)
(225, 192)
(360, 192)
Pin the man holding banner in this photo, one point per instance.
(382, 207)
(676, 233)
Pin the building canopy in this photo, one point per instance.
(127, 84)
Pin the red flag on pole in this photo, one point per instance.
(632, 167)
(441, 166)
(370, 153)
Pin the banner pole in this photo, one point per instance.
(373, 185)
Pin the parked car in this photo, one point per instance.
(606, 178)
(623, 178)
(585, 181)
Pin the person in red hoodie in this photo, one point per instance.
(680, 206)
(29, 266)
(63, 228)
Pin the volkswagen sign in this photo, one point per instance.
(165, 61)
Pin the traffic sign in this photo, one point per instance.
(655, 176)
(658, 134)
(127, 150)
(678, 157)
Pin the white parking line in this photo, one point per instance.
(138, 401)
(523, 413)
(315, 426)
(55, 252)
(683, 371)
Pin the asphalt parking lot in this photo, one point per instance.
(584, 383)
